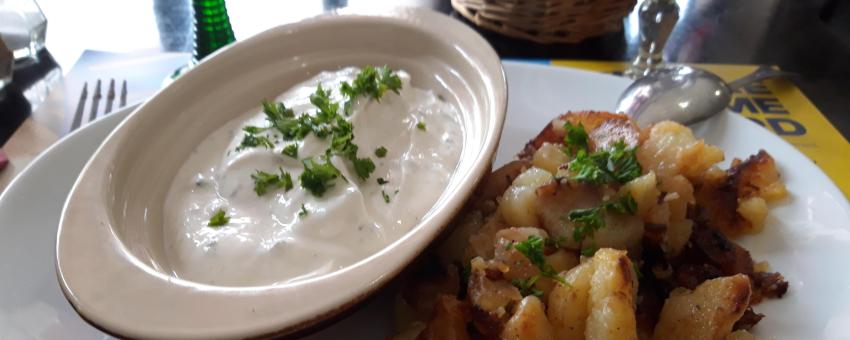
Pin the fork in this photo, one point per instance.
(95, 102)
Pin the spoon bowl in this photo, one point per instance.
(684, 94)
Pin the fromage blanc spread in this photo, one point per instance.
(330, 172)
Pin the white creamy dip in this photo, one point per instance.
(266, 241)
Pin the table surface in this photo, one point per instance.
(808, 37)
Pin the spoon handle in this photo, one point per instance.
(656, 19)
(763, 72)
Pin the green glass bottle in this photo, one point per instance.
(212, 27)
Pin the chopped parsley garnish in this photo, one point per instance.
(252, 141)
(218, 219)
(291, 150)
(421, 126)
(589, 220)
(385, 196)
(317, 178)
(343, 135)
(253, 129)
(303, 212)
(575, 138)
(382, 181)
(370, 82)
(322, 100)
(341, 144)
(265, 182)
(381, 152)
(526, 287)
(617, 165)
(363, 167)
(532, 248)
(589, 251)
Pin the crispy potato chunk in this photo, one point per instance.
(519, 202)
(672, 149)
(528, 322)
(515, 264)
(613, 288)
(567, 310)
(707, 312)
(448, 321)
(643, 189)
(603, 129)
(491, 298)
(735, 202)
(556, 200)
(549, 157)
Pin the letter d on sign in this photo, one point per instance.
(786, 127)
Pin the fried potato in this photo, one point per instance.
(643, 189)
(491, 298)
(556, 200)
(707, 312)
(549, 157)
(567, 307)
(519, 202)
(672, 149)
(735, 201)
(613, 288)
(528, 322)
(515, 264)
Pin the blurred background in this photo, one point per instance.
(73, 44)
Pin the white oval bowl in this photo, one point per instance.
(108, 250)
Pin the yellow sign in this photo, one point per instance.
(778, 106)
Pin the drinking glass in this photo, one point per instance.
(23, 28)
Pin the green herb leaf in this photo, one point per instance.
(623, 205)
(381, 152)
(382, 181)
(421, 126)
(291, 150)
(341, 142)
(252, 141)
(265, 182)
(371, 82)
(589, 251)
(286, 180)
(386, 197)
(587, 221)
(622, 163)
(218, 219)
(253, 129)
(575, 139)
(526, 287)
(318, 177)
(303, 213)
(327, 108)
(532, 248)
(363, 167)
(617, 165)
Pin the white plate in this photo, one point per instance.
(807, 238)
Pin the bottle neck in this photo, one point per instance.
(212, 27)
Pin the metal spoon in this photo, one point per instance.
(684, 94)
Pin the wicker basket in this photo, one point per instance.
(547, 21)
